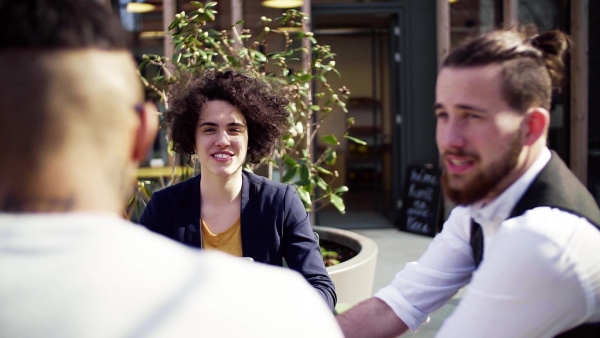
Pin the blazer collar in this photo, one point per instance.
(191, 232)
(250, 230)
(247, 186)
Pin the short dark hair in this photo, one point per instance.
(262, 104)
(60, 24)
(532, 64)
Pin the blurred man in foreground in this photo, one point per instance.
(73, 128)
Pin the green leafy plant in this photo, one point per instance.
(282, 51)
(143, 191)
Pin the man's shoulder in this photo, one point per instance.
(557, 187)
(158, 284)
(550, 222)
(267, 301)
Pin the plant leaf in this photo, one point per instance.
(355, 140)
(330, 139)
(319, 182)
(304, 173)
(290, 173)
(323, 170)
(289, 161)
(341, 190)
(304, 196)
(338, 203)
(331, 157)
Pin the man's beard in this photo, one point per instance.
(484, 181)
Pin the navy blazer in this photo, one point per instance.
(274, 225)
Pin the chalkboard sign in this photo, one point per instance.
(421, 203)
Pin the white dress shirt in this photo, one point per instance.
(540, 274)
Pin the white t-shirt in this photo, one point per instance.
(92, 275)
(540, 274)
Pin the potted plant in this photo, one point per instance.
(280, 50)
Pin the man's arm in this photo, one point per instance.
(371, 318)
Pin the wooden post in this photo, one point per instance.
(579, 89)
(511, 13)
(443, 29)
(306, 60)
(169, 8)
(237, 14)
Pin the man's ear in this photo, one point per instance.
(146, 131)
(535, 125)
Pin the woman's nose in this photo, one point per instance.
(222, 139)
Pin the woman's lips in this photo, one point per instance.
(222, 156)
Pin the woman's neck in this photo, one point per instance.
(219, 189)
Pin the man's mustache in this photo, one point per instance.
(459, 152)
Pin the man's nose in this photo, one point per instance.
(450, 134)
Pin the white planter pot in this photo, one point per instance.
(353, 279)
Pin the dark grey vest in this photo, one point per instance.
(556, 187)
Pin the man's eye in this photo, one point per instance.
(441, 115)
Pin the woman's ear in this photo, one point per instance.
(146, 130)
(535, 125)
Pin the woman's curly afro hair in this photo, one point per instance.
(262, 104)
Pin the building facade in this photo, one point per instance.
(388, 53)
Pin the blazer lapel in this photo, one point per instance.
(192, 235)
(250, 238)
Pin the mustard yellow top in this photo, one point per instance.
(229, 241)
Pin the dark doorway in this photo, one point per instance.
(365, 38)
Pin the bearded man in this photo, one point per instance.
(525, 232)
(74, 128)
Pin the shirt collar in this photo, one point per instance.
(499, 209)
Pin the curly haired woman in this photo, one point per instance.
(226, 119)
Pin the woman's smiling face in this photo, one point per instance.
(221, 139)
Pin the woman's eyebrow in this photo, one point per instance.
(236, 124)
(207, 123)
(230, 124)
